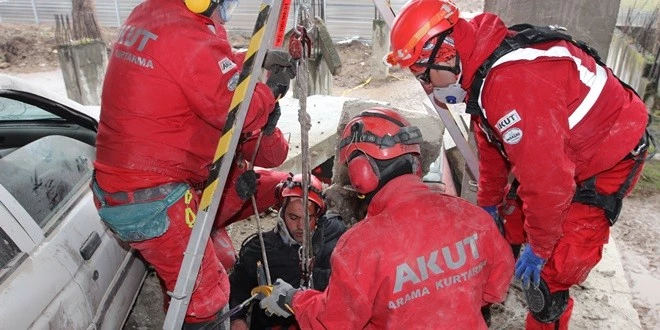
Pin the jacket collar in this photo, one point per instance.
(395, 192)
(475, 41)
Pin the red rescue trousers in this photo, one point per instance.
(233, 210)
(165, 253)
(584, 232)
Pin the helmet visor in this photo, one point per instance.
(227, 9)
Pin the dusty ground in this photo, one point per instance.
(31, 49)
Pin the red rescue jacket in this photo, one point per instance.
(561, 117)
(419, 260)
(167, 91)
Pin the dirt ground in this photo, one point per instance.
(31, 49)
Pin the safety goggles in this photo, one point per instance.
(422, 68)
(227, 9)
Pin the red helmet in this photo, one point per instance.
(380, 133)
(292, 187)
(417, 22)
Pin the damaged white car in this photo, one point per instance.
(60, 267)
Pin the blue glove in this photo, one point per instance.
(499, 222)
(279, 301)
(528, 267)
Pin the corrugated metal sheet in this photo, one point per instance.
(344, 18)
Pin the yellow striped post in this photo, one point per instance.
(264, 30)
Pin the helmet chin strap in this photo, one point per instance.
(214, 5)
(388, 171)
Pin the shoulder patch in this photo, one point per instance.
(226, 64)
(512, 136)
(508, 120)
(233, 81)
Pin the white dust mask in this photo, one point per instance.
(451, 94)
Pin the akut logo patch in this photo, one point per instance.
(508, 120)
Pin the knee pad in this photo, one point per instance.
(364, 174)
(224, 249)
(544, 306)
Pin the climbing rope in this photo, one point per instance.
(299, 48)
(257, 217)
(301, 41)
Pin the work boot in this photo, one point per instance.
(485, 312)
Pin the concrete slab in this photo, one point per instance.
(325, 113)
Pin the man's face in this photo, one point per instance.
(435, 78)
(293, 217)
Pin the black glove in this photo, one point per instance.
(273, 117)
(278, 61)
(246, 184)
(278, 82)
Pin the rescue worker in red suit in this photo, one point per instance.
(167, 92)
(419, 259)
(563, 125)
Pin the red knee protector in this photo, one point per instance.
(224, 249)
(562, 324)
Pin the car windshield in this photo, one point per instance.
(12, 110)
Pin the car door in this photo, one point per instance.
(40, 183)
(70, 271)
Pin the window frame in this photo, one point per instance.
(54, 107)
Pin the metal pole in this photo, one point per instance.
(34, 10)
(117, 13)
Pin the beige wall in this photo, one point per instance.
(587, 20)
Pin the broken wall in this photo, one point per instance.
(590, 21)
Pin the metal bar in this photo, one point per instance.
(385, 11)
(117, 12)
(34, 9)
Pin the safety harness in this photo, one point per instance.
(528, 35)
(586, 192)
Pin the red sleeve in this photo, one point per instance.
(535, 141)
(493, 171)
(210, 81)
(343, 296)
(272, 152)
(239, 55)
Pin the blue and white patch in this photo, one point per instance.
(512, 136)
(226, 65)
(507, 120)
(233, 81)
